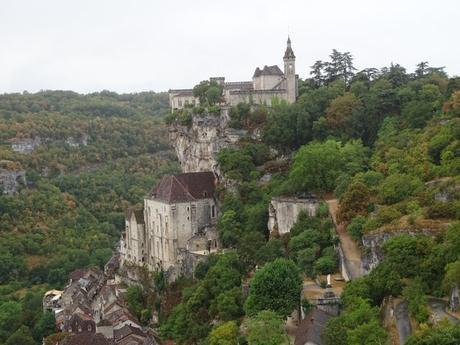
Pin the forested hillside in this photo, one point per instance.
(386, 143)
(94, 156)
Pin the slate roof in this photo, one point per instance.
(181, 92)
(311, 328)
(268, 70)
(238, 85)
(289, 53)
(127, 330)
(86, 339)
(185, 187)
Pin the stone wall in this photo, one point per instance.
(283, 212)
(197, 146)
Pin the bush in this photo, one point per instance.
(326, 265)
(442, 210)
(397, 187)
(356, 226)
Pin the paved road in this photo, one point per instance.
(403, 325)
(350, 249)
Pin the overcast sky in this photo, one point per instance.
(139, 45)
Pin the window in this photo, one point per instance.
(213, 211)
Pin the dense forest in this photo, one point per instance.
(386, 143)
(96, 156)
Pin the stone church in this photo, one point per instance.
(267, 83)
(176, 228)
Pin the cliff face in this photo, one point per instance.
(373, 245)
(10, 180)
(197, 146)
(283, 213)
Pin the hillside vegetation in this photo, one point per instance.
(387, 144)
(98, 155)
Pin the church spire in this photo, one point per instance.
(289, 53)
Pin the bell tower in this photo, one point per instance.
(289, 73)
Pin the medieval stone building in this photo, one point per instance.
(176, 227)
(267, 83)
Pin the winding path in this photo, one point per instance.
(349, 247)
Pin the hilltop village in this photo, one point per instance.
(282, 215)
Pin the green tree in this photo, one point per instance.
(266, 328)
(224, 334)
(398, 187)
(22, 336)
(354, 202)
(230, 304)
(317, 166)
(230, 228)
(276, 287)
(414, 294)
(444, 334)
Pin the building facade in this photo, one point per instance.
(176, 227)
(268, 83)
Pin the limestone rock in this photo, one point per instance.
(11, 177)
(197, 146)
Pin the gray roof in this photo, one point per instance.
(311, 328)
(181, 92)
(289, 53)
(267, 70)
(238, 85)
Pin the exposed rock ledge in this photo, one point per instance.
(284, 211)
(197, 146)
(10, 180)
(373, 244)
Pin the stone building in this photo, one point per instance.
(267, 83)
(176, 228)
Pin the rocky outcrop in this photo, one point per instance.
(25, 145)
(197, 145)
(11, 177)
(77, 141)
(283, 212)
(454, 299)
(373, 245)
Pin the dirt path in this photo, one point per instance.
(350, 249)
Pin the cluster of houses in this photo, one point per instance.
(91, 310)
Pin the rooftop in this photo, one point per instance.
(185, 187)
(268, 70)
(311, 328)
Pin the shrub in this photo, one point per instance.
(356, 227)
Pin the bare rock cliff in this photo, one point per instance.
(197, 145)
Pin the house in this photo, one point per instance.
(267, 83)
(85, 339)
(129, 335)
(176, 228)
(80, 323)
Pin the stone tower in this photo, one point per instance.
(289, 72)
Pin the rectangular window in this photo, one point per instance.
(213, 211)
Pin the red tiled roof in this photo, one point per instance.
(185, 187)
